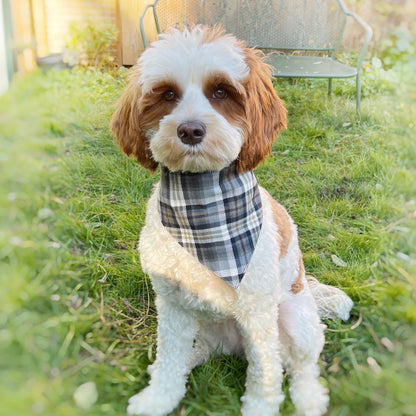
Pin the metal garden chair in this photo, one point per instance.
(300, 37)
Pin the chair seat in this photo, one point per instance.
(298, 66)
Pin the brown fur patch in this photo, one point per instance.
(265, 113)
(232, 107)
(154, 106)
(297, 286)
(285, 227)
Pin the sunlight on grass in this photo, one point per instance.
(76, 308)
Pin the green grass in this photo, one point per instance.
(76, 307)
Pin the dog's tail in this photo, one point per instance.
(332, 302)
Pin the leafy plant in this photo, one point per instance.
(93, 42)
(398, 47)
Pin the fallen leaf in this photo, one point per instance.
(338, 261)
(374, 365)
(388, 344)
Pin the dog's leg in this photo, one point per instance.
(302, 339)
(176, 333)
(257, 320)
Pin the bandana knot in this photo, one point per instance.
(216, 216)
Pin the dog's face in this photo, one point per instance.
(196, 101)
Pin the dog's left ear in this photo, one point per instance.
(265, 114)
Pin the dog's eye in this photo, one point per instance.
(220, 94)
(169, 95)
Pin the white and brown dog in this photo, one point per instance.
(222, 255)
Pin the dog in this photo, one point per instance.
(222, 254)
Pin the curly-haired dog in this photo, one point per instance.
(222, 255)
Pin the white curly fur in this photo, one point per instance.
(273, 317)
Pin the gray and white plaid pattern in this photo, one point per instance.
(217, 216)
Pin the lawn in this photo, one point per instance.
(76, 308)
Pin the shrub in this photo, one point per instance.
(398, 48)
(92, 41)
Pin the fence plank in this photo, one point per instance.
(132, 46)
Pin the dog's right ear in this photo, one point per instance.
(125, 124)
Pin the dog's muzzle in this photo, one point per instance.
(191, 132)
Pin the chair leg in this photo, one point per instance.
(329, 86)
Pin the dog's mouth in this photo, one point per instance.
(193, 150)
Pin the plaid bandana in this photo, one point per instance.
(216, 216)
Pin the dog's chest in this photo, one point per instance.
(215, 216)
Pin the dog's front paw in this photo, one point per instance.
(146, 404)
(150, 403)
(255, 406)
(309, 397)
(138, 406)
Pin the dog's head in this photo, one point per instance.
(196, 101)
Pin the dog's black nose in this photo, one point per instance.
(191, 132)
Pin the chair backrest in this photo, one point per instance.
(266, 24)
